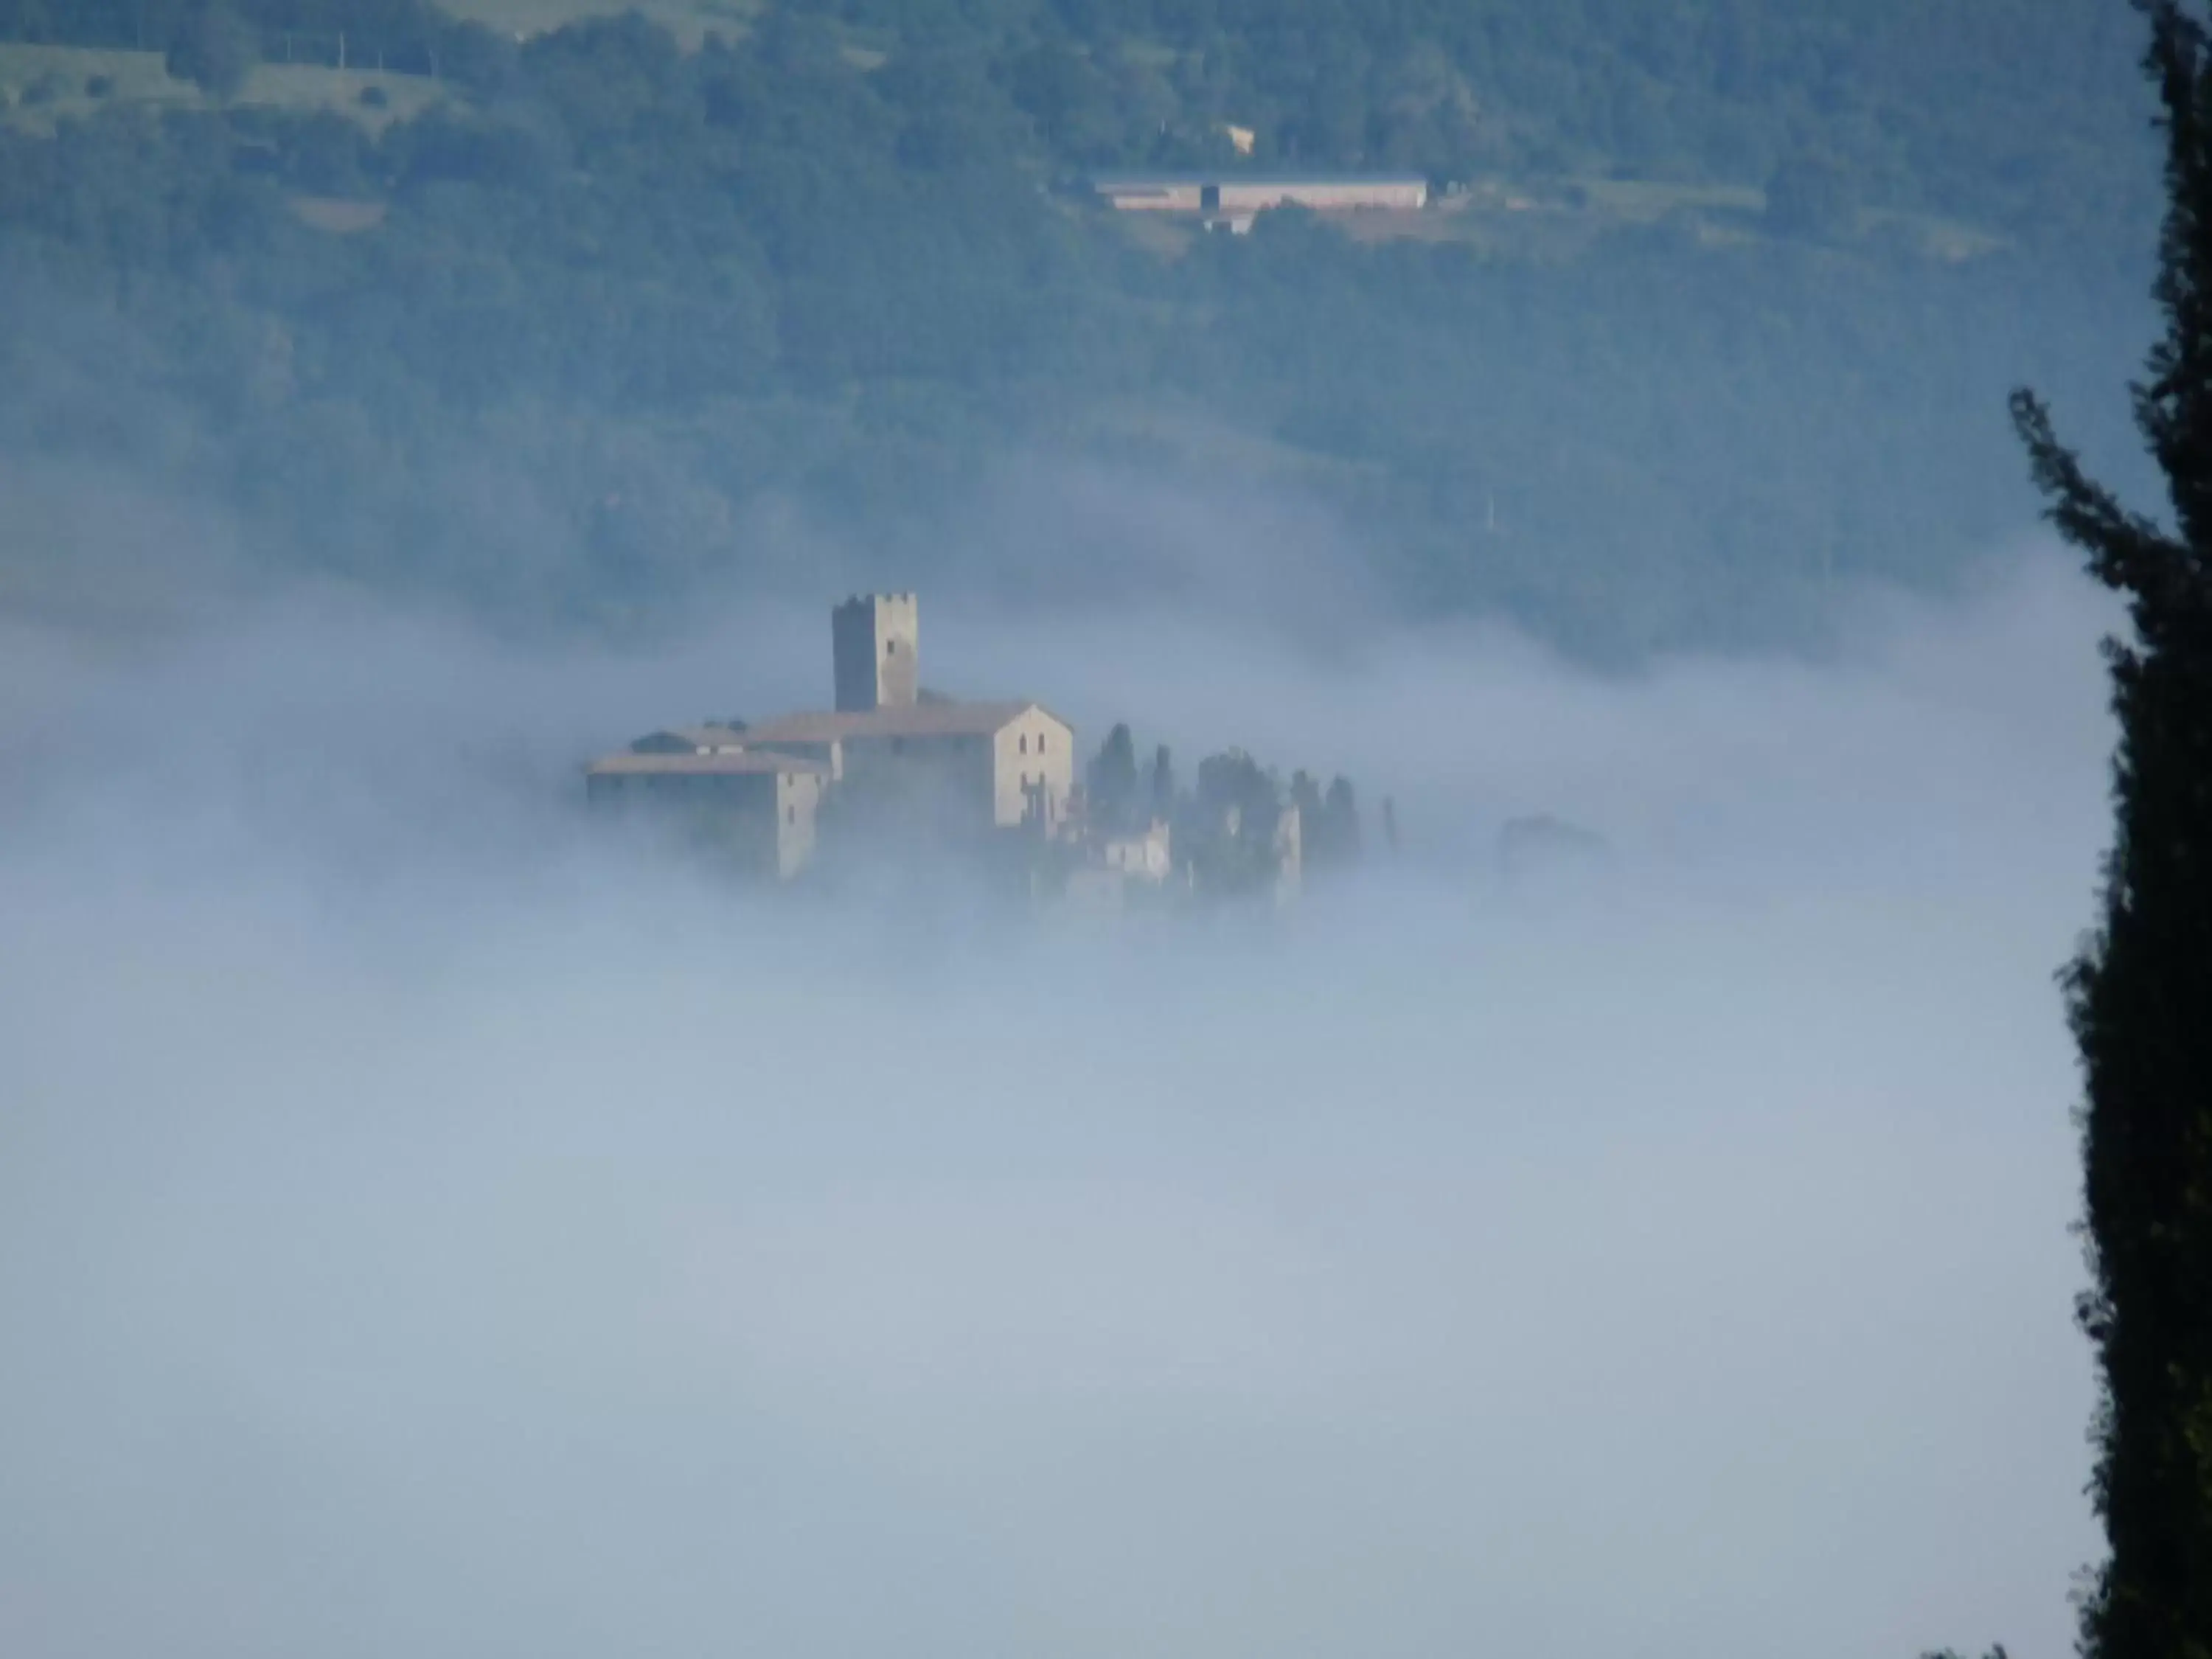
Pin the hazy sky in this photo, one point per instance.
(424, 1231)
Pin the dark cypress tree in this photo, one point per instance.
(1341, 823)
(1113, 782)
(2140, 995)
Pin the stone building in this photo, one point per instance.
(1117, 867)
(911, 763)
(1011, 764)
(1148, 857)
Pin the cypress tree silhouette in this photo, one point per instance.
(2140, 993)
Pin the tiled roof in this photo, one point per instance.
(922, 719)
(729, 763)
(709, 737)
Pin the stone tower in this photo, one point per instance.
(875, 645)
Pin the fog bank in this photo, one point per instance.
(425, 1229)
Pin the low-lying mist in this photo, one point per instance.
(428, 1228)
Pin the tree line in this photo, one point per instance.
(1228, 828)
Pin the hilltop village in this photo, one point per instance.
(895, 773)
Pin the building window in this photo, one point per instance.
(890, 648)
(1040, 743)
(1025, 747)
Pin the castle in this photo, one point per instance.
(888, 748)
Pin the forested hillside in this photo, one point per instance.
(1718, 313)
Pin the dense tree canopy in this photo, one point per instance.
(556, 344)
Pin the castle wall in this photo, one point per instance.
(926, 771)
(945, 780)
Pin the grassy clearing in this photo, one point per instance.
(1643, 201)
(304, 86)
(42, 85)
(688, 20)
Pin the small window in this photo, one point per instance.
(1040, 743)
(1025, 744)
(890, 648)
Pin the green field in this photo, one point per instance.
(688, 20)
(40, 85)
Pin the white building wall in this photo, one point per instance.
(1032, 751)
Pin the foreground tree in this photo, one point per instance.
(2140, 995)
